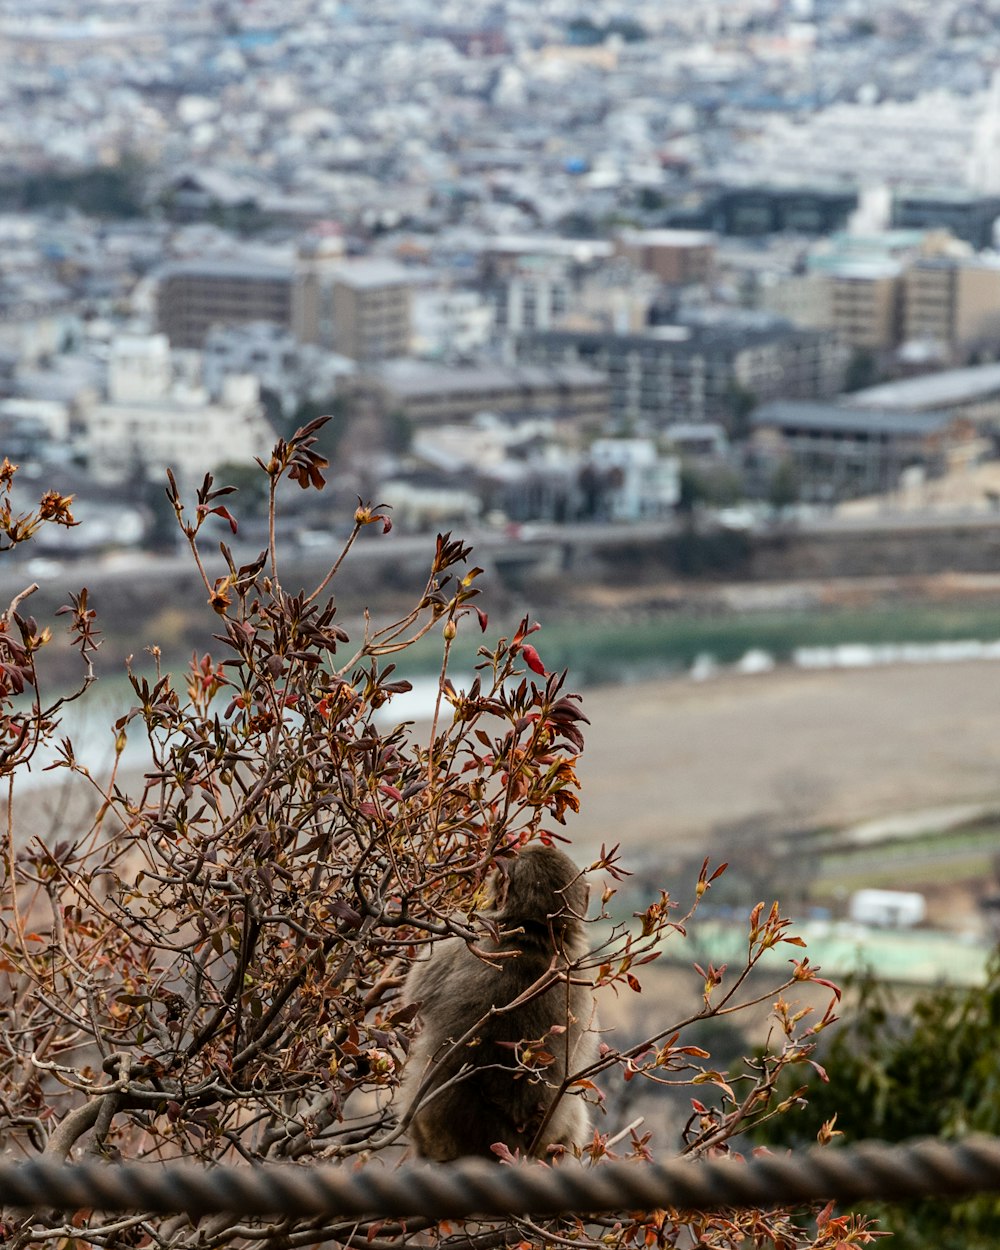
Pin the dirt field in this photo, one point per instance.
(668, 762)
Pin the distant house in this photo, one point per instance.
(522, 469)
(643, 484)
(195, 295)
(696, 373)
(197, 194)
(436, 394)
(153, 418)
(973, 392)
(842, 452)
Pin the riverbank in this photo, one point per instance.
(673, 764)
(757, 769)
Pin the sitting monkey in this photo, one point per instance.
(538, 901)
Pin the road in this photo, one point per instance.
(525, 541)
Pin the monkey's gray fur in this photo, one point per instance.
(538, 904)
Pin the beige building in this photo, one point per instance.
(865, 303)
(359, 308)
(861, 304)
(881, 290)
(676, 257)
(953, 301)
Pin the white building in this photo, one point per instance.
(449, 321)
(152, 420)
(139, 368)
(534, 297)
(49, 416)
(938, 139)
(290, 370)
(648, 485)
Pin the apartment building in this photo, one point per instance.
(534, 294)
(437, 394)
(195, 295)
(865, 304)
(685, 373)
(359, 308)
(952, 300)
(845, 451)
(154, 418)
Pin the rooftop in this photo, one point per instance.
(582, 250)
(806, 415)
(693, 339)
(220, 267)
(931, 390)
(417, 377)
(668, 238)
(370, 273)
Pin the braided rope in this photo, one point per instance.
(928, 1168)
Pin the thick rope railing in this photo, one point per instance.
(872, 1170)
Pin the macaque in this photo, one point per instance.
(537, 903)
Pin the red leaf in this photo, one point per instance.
(222, 512)
(533, 660)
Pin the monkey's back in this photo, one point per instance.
(494, 1101)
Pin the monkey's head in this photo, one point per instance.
(539, 884)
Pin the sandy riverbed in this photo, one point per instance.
(670, 761)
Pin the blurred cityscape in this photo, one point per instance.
(542, 263)
(702, 297)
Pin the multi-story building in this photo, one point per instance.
(359, 308)
(194, 295)
(860, 301)
(968, 216)
(553, 292)
(713, 372)
(844, 452)
(534, 293)
(878, 290)
(973, 393)
(759, 209)
(153, 419)
(675, 257)
(437, 394)
(865, 304)
(449, 321)
(952, 300)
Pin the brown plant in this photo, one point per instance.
(209, 967)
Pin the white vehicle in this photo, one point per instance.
(887, 909)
